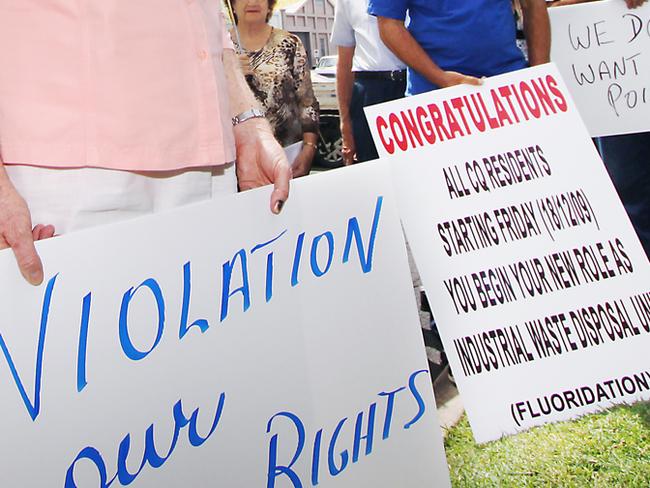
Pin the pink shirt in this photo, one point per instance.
(120, 84)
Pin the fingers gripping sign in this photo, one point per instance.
(261, 161)
(452, 78)
(634, 3)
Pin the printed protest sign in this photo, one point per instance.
(219, 345)
(540, 288)
(602, 50)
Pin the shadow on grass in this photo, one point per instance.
(642, 410)
(601, 450)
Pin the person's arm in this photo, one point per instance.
(344, 84)
(561, 3)
(399, 40)
(629, 3)
(537, 29)
(344, 38)
(260, 159)
(309, 112)
(302, 167)
(16, 230)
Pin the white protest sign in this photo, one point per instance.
(602, 50)
(537, 281)
(219, 345)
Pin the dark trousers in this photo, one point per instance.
(370, 92)
(627, 158)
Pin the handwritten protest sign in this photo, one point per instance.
(219, 345)
(602, 50)
(540, 288)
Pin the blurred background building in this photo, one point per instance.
(312, 21)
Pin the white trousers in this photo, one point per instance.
(77, 198)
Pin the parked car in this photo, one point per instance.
(327, 66)
(330, 145)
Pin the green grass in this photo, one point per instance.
(609, 449)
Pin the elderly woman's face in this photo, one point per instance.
(252, 11)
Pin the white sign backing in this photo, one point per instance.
(602, 50)
(219, 345)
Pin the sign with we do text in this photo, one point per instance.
(538, 283)
(218, 345)
(602, 50)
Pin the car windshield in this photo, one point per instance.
(327, 62)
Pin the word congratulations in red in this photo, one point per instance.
(462, 116)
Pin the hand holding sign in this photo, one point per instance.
(261, 161)
(16, 231)
(451, 78)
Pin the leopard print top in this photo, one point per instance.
(282, 84)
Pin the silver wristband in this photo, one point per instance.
(253, 113)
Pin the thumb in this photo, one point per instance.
(27, 258)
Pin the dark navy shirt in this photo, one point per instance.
(473, 37)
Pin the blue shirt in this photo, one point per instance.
(473, 37)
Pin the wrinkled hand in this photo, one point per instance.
(245, 63)
(451, 78)
(301, 166)
(16, 233)
(349, 150)
(261, 161)
(634, 3)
